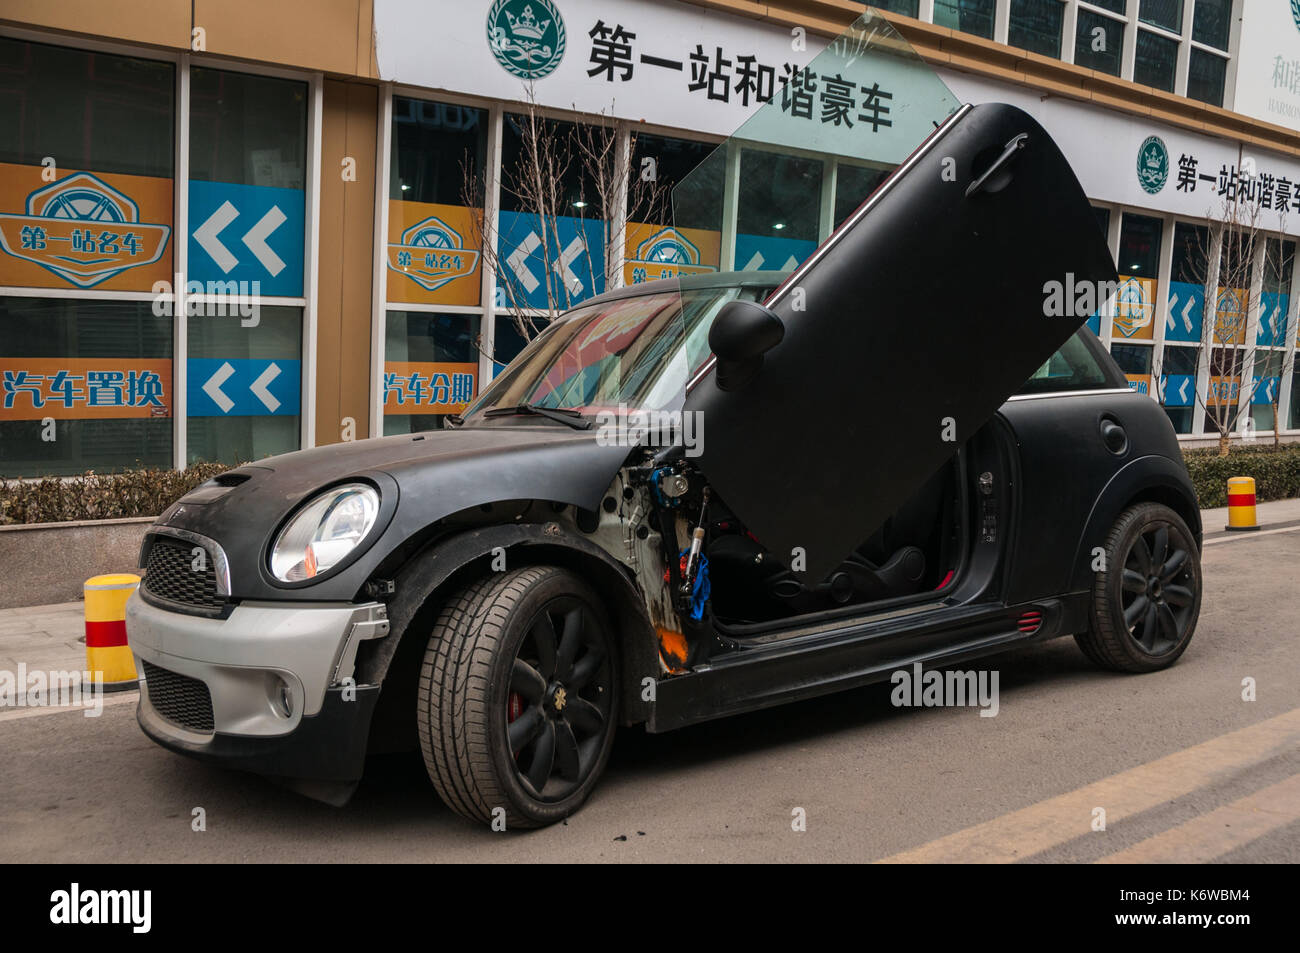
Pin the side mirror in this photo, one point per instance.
(741, 334)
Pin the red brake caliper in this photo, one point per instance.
(514, 708)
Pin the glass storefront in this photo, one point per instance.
(86, 377)
(103, 377)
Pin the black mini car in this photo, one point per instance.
(695, 498)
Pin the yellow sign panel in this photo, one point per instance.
(1140, 383)
(1230, 316)
(1134, 309)
(83, 229)
(33, 388)
(662, 251)
(429, 387)
(432, 258)
(1223, 391)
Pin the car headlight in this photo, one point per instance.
(324, 531)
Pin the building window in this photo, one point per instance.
(87, 385)
(1103, 219)
(435, 202)
(434, 259)
(1156, 61)
(853, 185)
(968, 16)
(1135, 361)
(430, 368)
(1186, 298)
(1178, 386)
(1272, 333)
(259, 370)
(1035, 25)
(1205, 77)
(247, 206)
(247, 129)
(1265, 388)
(540, 221)
(1210, 22)
(439, 151)
(1294, 422)
(1099, 42)
(85, 382)
(909, 8)
(776, 220)
(664, 240)
(1114, 6)
(1166, 14)
(1138, 264)
(92, 112)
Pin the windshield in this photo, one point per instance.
(634, 353)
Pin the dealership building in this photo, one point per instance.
(166, 164)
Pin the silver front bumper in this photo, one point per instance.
(254, 660)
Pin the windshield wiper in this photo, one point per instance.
(565, 415)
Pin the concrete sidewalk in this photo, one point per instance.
(52, 638)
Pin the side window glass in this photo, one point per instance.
(1073, 367)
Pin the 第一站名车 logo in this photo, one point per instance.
(1153, 164)
(83, 230)
(431, 253)
(526, 36)
(1132, 309)
(666, 253)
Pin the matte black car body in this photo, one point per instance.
(1037, 480)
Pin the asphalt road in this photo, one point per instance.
(1184, 768)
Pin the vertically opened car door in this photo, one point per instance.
(910, 325)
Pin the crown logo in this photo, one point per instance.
(527, 24)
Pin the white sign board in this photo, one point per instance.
(1128, 160)
(667, 63)
(1268, 62)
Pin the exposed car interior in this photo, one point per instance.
(916, 551)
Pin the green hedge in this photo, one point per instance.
(96, 496)
(99, 496)
(1276, 471)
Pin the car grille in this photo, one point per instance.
(170, 575)
(180, 699)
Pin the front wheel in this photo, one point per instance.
(518, 697)
(1147, 596)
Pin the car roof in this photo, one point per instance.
(713, 279)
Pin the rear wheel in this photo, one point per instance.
(518, 697)
(1146, 599)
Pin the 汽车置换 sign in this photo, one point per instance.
(72, 388)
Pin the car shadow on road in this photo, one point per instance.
(638, 752)
(396, 787)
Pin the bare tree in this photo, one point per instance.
(1224, 259)
(554, 156)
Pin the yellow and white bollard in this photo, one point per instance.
(1241, 504)
(106, 648)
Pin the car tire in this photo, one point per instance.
(1146, 599)
(518, 697)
